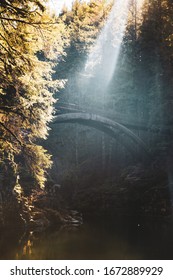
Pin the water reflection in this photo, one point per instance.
(27, 244)
(133, 240)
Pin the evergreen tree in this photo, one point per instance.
(84, 23)
(27, 33)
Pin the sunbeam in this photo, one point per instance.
(103, 58)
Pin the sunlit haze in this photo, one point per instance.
(57, 5)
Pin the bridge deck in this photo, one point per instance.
(63, 108)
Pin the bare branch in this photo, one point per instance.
(10, 110)
(7, 129)
(30, 23)
(7, 42)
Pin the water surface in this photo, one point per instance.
(131, 239)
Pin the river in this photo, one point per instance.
(130, 239)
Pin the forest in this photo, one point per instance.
(86, 128)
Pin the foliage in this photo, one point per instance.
(143, 81)
(156, 44)
(30, 41)
(84, 23)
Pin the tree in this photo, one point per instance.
(30, 42)
(148, 64)
(84, 23)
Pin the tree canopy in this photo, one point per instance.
(31, 41)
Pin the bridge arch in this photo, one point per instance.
(103, 124)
